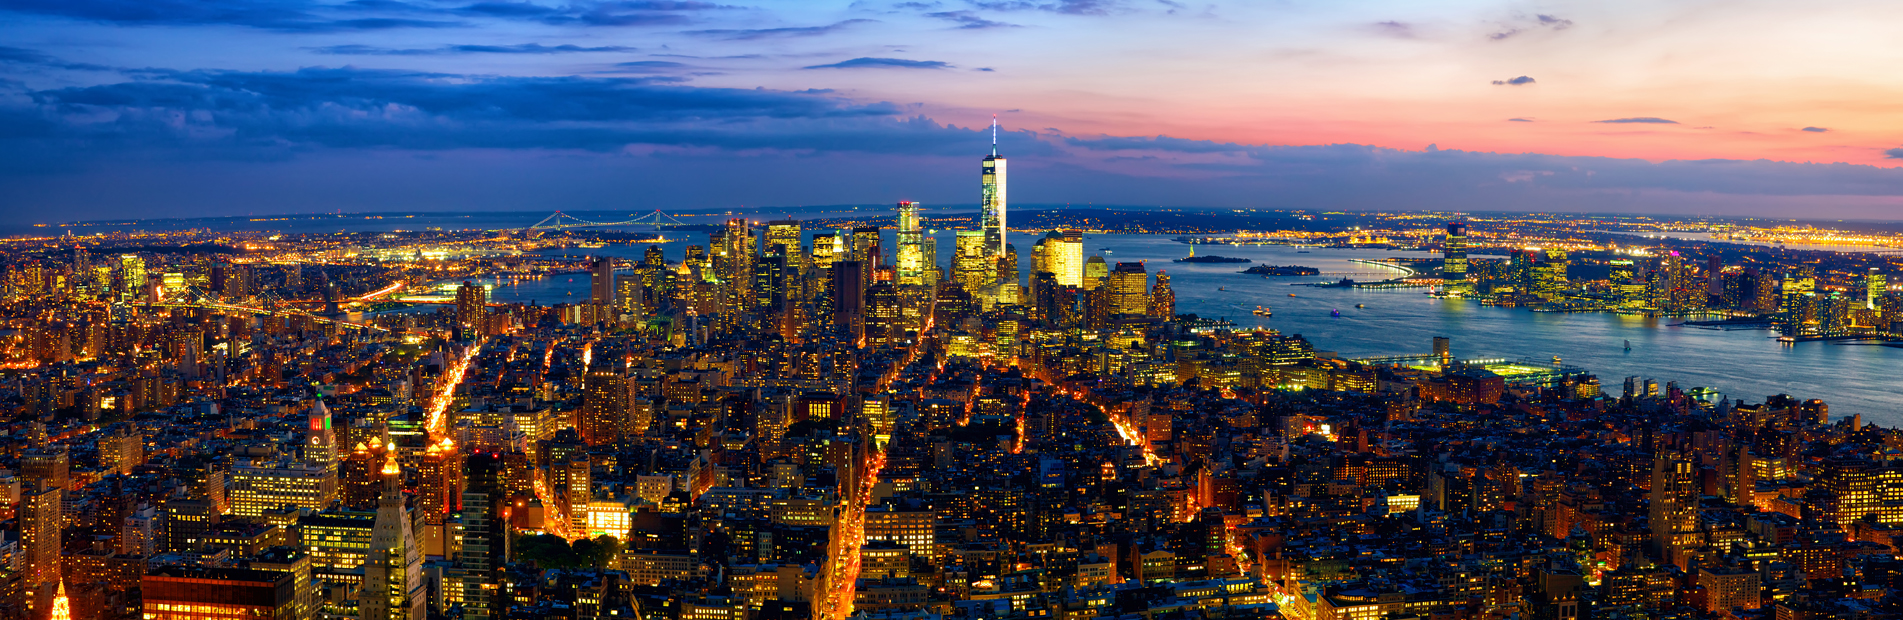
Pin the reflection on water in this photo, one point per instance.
(1745, 365)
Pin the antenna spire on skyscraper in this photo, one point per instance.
(994, 135)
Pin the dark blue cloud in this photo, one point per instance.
(768, 33)
(1521, 120)
(357, 15)
(20, 56)
(282, 15)
(526, 48)
(884, 63)
(1518, 81)
(1896, 153)
(1640, 119)
(1159, 143)
(969, 20)
(1069, 7)
(256, 114)
(1817, 129)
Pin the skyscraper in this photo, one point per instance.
(472, 306)
(911, 264)
(602, 285)
(1067, 258)
(784, 234)
(1128, 289)
(1454, 255)
(970, 267)
(320, 445)
(604, 406)
(992, 206)
(1674, 503)
(1162, 298)
(1874, 287)
(393, 587)
(39, 518)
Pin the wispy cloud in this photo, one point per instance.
(1893, 153)
(1523, 24)
(526, 48)
(1640, 119)
(884, 63)
(767, 33)
(1520, 120)
(1518, 81)
(1399, 30)
(1069, 7)
(969, 20)
(1817, 129)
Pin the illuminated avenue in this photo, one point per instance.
(808, 419)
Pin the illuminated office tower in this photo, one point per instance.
(47, 464)
(39, 518)
(1096, 271)
(439, 484)
(848, 293)
(735, 269)
(1797, 310)
(884, 321)
(320, 443)
(631, 293)
(1162, 298)
(911, 263)
(359, 475)
(971, 267)
(784, 234)
(256, 489)
(393, 586)
(928, 246)
(472, 306)
(1549, 275)
(1067, 258)
(1004, 289)
(1129, 294)
(485, 540)
(1674, 504)
(604, 407)
(1041, 253)
(654, 257)
(1454, 256)
(193, 592)
(602, 283)
(132, 272)
(1874, 286)
(866, 248)
(992, 207)
(695, 257)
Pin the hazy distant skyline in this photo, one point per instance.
(181, 108)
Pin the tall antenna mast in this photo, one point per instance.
(994, 135)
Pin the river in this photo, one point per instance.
(1743, 365)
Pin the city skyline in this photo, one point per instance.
(436, 106)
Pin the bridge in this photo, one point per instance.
(564, 221)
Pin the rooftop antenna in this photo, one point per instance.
(994, 135)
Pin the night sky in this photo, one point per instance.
(167, 108)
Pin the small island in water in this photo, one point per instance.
(1213, 259)
(1282, 270)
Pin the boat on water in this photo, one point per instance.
(1263, 311)
(1628, 345)
(1291, 294)
(1335, 313)
(1361, 305)
(1221, 288)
